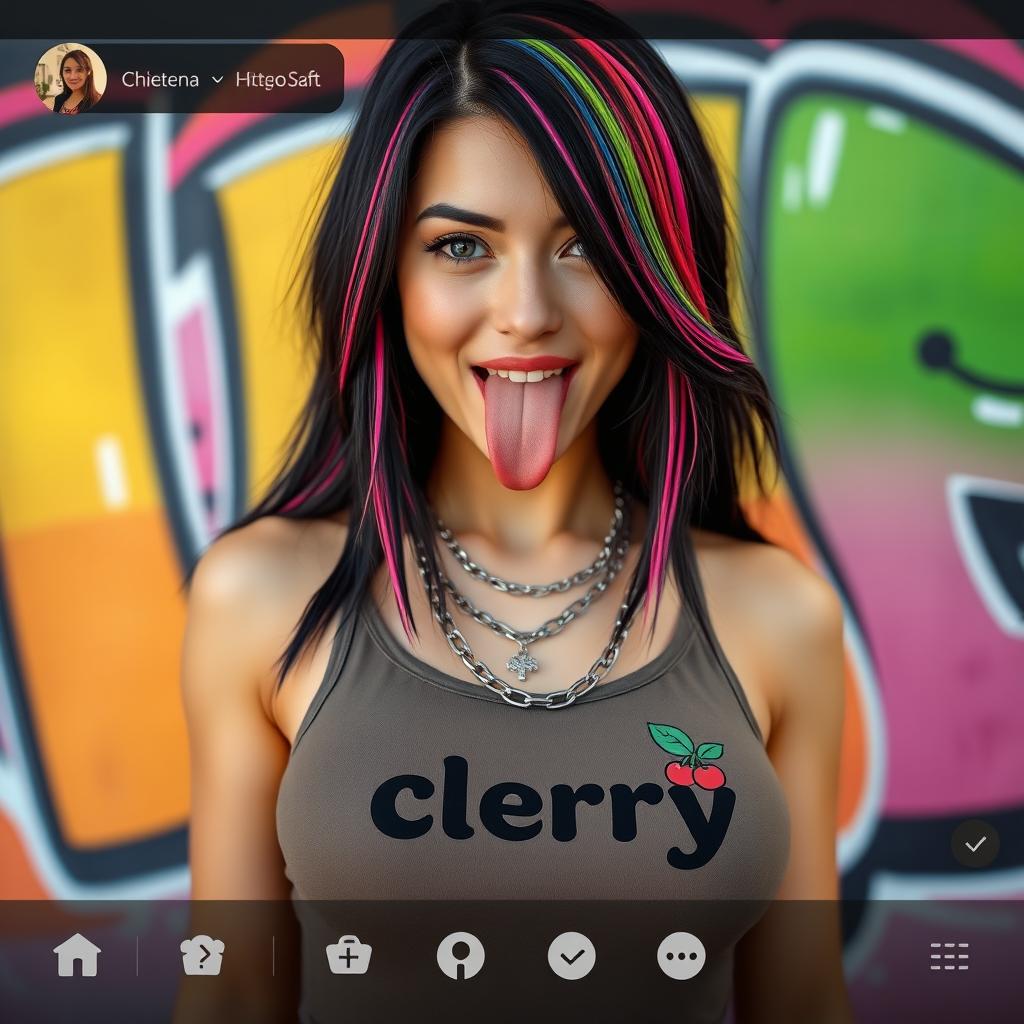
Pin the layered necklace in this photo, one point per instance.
(605, 568)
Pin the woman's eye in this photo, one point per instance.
(576, 249)
(460, 249)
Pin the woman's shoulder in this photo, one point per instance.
(257, 579)
(272, 561)
(784, 613)
(763, 574)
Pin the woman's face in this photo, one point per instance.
(506, 321)
(74, 74)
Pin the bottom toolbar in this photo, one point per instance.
(181, 961)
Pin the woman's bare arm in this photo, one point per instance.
(789, 966)
(237, 753)
(235, 630)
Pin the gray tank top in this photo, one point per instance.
(407, 783)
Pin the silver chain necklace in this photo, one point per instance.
(523, 661)
(542, 589)
(510, 694)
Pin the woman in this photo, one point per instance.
(518, 291)
(79, 92)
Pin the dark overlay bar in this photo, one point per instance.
(221, 78)
(318, 961)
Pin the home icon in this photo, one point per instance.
(78, 947)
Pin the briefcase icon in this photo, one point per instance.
(348, 955)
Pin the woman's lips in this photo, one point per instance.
(528, 363)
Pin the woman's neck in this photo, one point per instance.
(575, 498)
(76, 96)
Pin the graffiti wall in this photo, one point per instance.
(151, 363)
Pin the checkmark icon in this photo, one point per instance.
(974, 844)
(572, 956)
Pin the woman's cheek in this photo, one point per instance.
(611, 336)
(439, 315)
(439, 321)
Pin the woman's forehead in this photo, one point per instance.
(481, 163)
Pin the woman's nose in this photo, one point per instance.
(526, 301)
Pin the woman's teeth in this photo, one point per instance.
(525, 376)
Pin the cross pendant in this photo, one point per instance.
(522, 662)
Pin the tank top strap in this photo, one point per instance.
(713, 647)
(340, 646)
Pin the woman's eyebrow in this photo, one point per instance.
(480, 220)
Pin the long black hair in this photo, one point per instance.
(614, 135)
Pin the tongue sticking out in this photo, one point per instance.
(522, 428)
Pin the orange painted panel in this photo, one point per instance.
(99, 647)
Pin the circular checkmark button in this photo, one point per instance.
(572, 956)
(975, 843)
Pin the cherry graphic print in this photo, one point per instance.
(692, 768)
(709, 776)
(679, 774)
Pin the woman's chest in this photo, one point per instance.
(401, 788)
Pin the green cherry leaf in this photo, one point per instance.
(669, 738)
(710, 751)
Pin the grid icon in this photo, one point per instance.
(949, 956)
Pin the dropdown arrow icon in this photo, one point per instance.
(216, 79)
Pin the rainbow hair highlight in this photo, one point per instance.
(641, 175)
